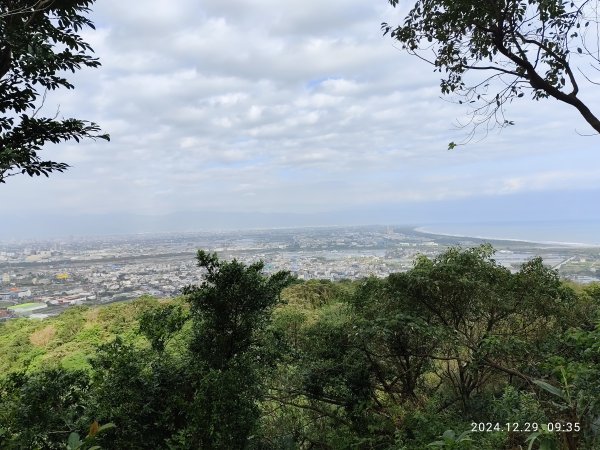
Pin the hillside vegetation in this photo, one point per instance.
(456, 353)
(69, 340)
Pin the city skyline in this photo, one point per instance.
(42, 278)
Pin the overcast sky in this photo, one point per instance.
(298, 109)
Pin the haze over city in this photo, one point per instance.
(267, 114)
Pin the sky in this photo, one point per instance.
(260, 113)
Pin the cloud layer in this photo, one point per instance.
(270, 106)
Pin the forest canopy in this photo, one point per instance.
(419, 359)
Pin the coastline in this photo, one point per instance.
(491, 238)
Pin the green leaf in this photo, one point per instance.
(449, 435)
(531, 439)
(549, 388)
(464, 436)
(106, 426)
(74, 441)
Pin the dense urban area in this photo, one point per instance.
(41, 278)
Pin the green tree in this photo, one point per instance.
(542, 48)
(332, 383)
(487, 318)
(146, 393)
(230, 311)
(396, 337)
(40, 410)
(39, 43)
(427, 349)
(160, 323)
(571, 393)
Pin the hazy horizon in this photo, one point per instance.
(311, 118)
(528, 209)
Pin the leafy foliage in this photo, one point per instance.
(450, 440)
(39, 43)
(230, 310)
(538, 47)
(42, 409)
(76, 443)
(159, 324)
(404, 362)
(142, 392)
(71, 339)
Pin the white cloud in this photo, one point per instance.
(281, 106)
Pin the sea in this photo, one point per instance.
(586, 233)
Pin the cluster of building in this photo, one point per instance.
(42, 278)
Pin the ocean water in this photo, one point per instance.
(571, 232)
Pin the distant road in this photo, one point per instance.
(114, 260)
(86, 262)
(558, 266)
